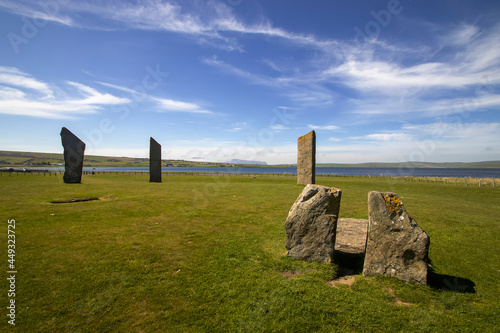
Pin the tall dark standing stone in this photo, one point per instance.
(154, 161)
(311, 224)
(396, 245)
(306, 159)
(74, 149)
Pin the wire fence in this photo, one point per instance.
(463, 181)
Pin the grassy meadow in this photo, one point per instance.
(206, 254)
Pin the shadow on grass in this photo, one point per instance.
(349, 263)
(446, 282)
(352, 264)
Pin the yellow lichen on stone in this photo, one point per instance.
(392, 202)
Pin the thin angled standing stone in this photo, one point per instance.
(306, 159)
(74, 149)
(154, 161)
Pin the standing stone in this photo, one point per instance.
(306, 159)
(154, 161)
(396, 245)
(312, 223)
(74, 149)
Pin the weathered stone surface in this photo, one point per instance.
(74, 149)
(396, 245)
(306, 159)
(154, 161)
(351, 235)
(312, 222)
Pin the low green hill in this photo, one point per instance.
(28, 159)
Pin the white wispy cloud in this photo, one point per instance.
(22, 94)
(92, 96)
(237, 127)
(163, 104)
(456, 130)
(388, 137)
(461, 35)
(376, 67)
(386, 77)
(10, 76)
(455, 69)
(204, 20)
(434, 142)
(279, 128)
(178, 106)
(301, 89)
(477, 58)
(41, 11)
(323, 127)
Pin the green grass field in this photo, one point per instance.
(206, 254)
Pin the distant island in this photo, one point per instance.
(236, 161)
(30, 159)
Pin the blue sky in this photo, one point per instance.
(379, 81)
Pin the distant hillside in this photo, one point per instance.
(485, 164)
(27, 159)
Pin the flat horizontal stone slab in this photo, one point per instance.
(351, 235)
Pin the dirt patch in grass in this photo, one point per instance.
(396, 299)
(289, 274)
(71, 200)
(345, 280)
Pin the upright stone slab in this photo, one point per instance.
(396, 245)
(74, 149)
(306, 159)
(312, 223)
(154, 161)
